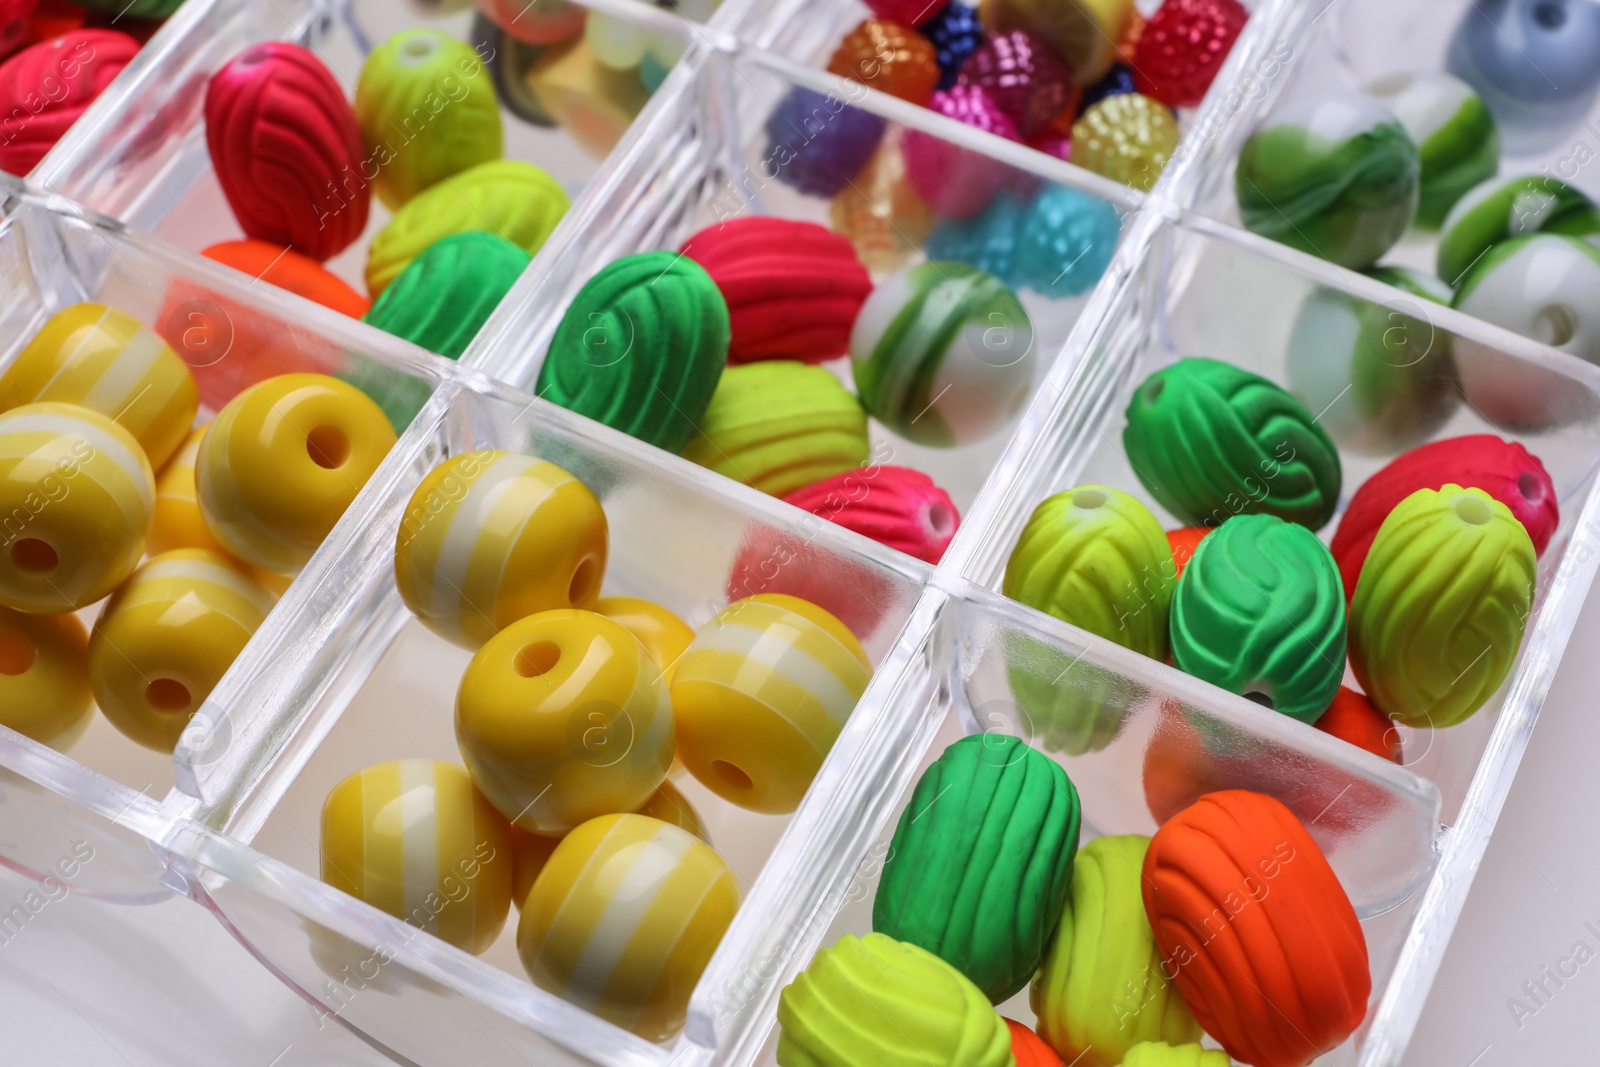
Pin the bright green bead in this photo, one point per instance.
(1503, 208)
(445, 296)
(1260, 612)
(1441, 605)
(1457, 142)
(427, 111)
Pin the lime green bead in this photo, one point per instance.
(1065, 702)
(1161, 1054)
(1441, 605)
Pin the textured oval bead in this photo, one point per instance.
(958, 182)
(894, 506)
(517, 201)
(1209, 441)
(1101, 989)
(288, 269)
(981, 861)
(877, 1000)
(641, 348)
(1441, 605)
(109, 362)
(444, 296)
(880, 213)
(60, 77)
(287, 151)
(1353, 718)
(1161, 1054)
(627, 873)
(1029, 1049)
(44, 677)
(1261, 939)
(1260, 612)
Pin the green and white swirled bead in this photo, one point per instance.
(1455, 135)
(1503, 208)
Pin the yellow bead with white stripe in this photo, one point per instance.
(624, 918)
(665, 636)
(490, 537)
(761, 695)
(110, 362)
(76, 496)
(282, 462)
(414, 838)
(44, 677)
(563, 716)
(167, 637)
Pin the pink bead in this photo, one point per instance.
(907, 12)
(854, 592)
(43, 90)
(894, 506)
(958, 182)
(287, 151)
(1022, 76)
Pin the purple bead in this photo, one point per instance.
(957, 182)
(1118, 80)
(956, 33)
(1022, 76)
(819, 143)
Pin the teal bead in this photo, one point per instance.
(445, 296)
(1210, 441)
(1503, 208)
(1259, 611)
(1457, 141)
(1333, 175)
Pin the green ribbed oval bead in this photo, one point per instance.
(1503, 208)
(641, 348)
(981, 861)
(1210, 441)
(445, 296)
(427, 111)
(1441, 605)
(1260, 612)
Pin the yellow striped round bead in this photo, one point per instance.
(76, 496)
(624, 918)
(761, 695)
(414, 838)
(108, 361)
(491, 537)
(167, 637)
(283, 461)
(561, 717)
(44, 677)
(663, 634)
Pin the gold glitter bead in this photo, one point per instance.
(1128, 138)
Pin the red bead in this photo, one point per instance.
(52, 18)
(1353, 718)
(1022, 76)
(907, 12)
(889, 57)
(894, 506)
(287, 151)
(1182, 47)
(792, 288)
(16, 19)
(44, 88)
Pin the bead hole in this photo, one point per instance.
(1550, 15)
(1089, 499)
(732, 775)
(581, 589)
(167, 694)
(1528, 485)
(538, 659)
(1472, 510)
(1264, 699)
(17, 652)
(1555, 325)
(941, 520)
(419, 47)
(1152, 392)
(33, 556)
(328, 447)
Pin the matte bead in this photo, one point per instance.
(1029, 1049)
(760, 697)
(425, 112)
(536, 21)
(664, 636)
(1082, 32)
(1066, 242)
(287, 151)
(491, 537)
(818, 143)
(135, 9)
(641, 348)
(1022, 76)
(958, 182)
(283, 461)
(889, 57)
(49, 85)
(624, 918)
(1260, 612)
(16, 24)
(981, 861)
(1286, 976)
(1441, 605)
(76, 497)
(444, 297)
(44, 677)
(1455, 135)
(1184, 542)
(1353, 718)
(880, 212)
(908, 12)
(1183, 46)
(1161, 1054)
(288, 269)
(1502, 208)
(415, 839)
(99, 358)
(894, 506)
(956, 33)
(514, 200)
(167, 637)
(1126, 138)
(1209, 440)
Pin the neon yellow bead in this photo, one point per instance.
(761, 695)
(76, 496)
(415, 839)
(624, 918)
(663, 634)
(561, 717)
(167, 637)
(44, 677)
(108, 361)
(282, 462)
(1128, 138)
(491, 537)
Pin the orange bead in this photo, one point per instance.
(1130, 37)
(1029, 1048)
(288, 269)
(889, 57)
(1184, 541)
(1354, 718)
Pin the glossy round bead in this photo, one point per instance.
(1546, 287)
(880, 212)
(428, 74)
(1126, 138)
(1183, 46)
(760, 696)
(624, 918)
(44, 677)
(76, 499)
(167, 637)
(943, 354)
(1083, 32)
(51, 84)
(956, 33)
(562, 717)
(415, 839)
(444, 296)
(594, 103)
(1503, 208)
(664, 636)
(889, 57)
(1455, 135)
(818, 143)
(490, 537)
(1022, 76)
(109, 362)
(1065, 242)
(283, 461)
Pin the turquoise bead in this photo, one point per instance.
(1503, 208)
(1456, 137)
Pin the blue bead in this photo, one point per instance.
(1066, 242)
(1118, 81)
(988, 240)
(1535, 63)
(819, 143)
(956, 33)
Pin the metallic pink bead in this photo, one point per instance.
(1053, 143)
(894, 506)
(1022, 76)
(958, 182)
